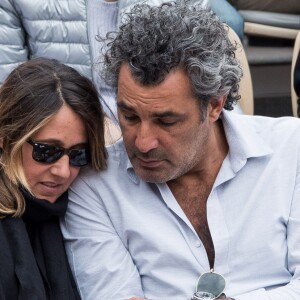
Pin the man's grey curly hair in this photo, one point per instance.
(155, 40)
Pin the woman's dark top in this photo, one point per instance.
(33, 262)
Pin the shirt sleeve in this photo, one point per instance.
(291, 291)
(13, 50)
(101, 264)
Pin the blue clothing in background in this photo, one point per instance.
(227, 13)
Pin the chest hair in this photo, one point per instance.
(193, 198)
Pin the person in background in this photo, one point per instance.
(63, 30)
(52, 126)
(228, 14)
(203, 194)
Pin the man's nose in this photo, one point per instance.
(146, 138)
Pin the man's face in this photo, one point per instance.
(164, 134)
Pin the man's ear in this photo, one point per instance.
(215, 108)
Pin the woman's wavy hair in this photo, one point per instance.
(30, 96)
(155, 40)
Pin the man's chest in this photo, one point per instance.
(193, 201)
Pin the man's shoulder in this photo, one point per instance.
(117, 152)
(261, 132)
(117, 160)
(288, 125)
(115, 179)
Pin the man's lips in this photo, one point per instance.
(149, 163)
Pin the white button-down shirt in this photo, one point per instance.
(126, 237)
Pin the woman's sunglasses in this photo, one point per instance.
(47, 154)
(210, 285)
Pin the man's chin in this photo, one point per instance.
(152, 176)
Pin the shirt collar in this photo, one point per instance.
(131, 173)
(124, 160)
(243, 138)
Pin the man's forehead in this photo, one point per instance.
(161, 112)
(170, 98)
(175, 83)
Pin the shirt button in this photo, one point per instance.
(197, 243)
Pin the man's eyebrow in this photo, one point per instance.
(123, 106)
(167, 114)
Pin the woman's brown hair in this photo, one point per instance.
(30, 96)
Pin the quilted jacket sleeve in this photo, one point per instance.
(13, 49)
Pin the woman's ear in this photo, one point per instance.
(215, 108)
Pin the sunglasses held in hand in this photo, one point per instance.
(210, 285)
(47, 154)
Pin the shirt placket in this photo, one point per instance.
(186, 228)
(219, 232)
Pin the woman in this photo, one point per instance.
(51, 125)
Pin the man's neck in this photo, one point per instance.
(210, 161)
(192, 189)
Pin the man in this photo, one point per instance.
(192, 188)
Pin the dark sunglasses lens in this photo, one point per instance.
(212, 283)
(46, 153)
(78, 157)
